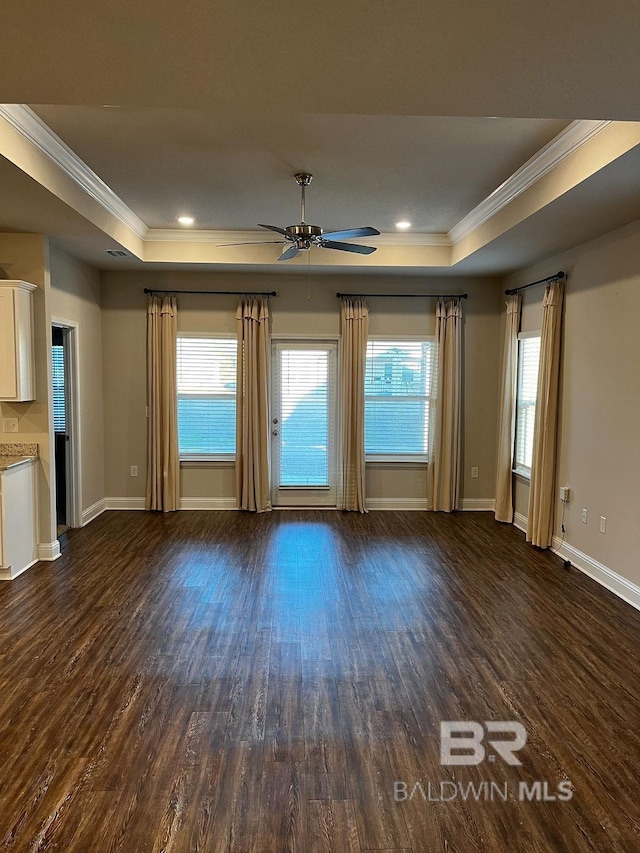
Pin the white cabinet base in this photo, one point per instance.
(18, 530)
(8, 574)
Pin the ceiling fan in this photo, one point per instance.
(300, 238)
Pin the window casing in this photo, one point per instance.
(528, 364)
(398, 405)
(206, 386)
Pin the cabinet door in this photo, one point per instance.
(25, 367)
(8, 372)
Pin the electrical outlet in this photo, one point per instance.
(603, 524)
(584, 516)
(10, 425)
(134, 470)
(474, 473)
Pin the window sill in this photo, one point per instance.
(522, 474)
(207, 461)
(395, 460)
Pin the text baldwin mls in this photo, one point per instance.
(447, 791)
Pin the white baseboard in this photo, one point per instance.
(230, 503)
(185, 503)
(8, 574)
(124, 503)
(208, 503)
(397, 503)
(520, 521)
(467, 504)
(478, 504)
(49, 551)
(623, 588)
(92, 512)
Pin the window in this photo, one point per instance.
(528, 363)
(59, 408)
(206, 374)
(397, 398)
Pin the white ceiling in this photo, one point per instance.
(212, 110)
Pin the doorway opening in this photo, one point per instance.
(303, 428)
(64, 378)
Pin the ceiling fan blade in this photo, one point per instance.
(289, 253)
(257, 243)
(286, 233)
(350, 233)
(347, 247)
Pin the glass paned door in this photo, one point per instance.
(303, 424)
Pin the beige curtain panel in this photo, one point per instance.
(163, 464)
(443, 474)
(507, 425)
(543, 466)
(354, 326)
(253, 483)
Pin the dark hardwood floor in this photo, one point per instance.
(219, 681)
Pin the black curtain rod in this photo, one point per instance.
(557, 277)
(219, 292)
(409, 295)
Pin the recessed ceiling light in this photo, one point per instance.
(403, 225)
(186, 220)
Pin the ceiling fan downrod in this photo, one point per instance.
(303, 179)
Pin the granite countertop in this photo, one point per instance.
(14, 453)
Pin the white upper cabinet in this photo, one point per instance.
(17, 363)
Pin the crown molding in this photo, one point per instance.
(36, 132)
(573, 137)
(190, 235)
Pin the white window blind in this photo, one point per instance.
(59, 411)
(398, 378)
(306, 427)
(206, 379)
(528, 363)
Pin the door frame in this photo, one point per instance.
(71, 329)
(307, 341)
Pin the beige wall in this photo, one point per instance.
(26, 257)
(599, 424)
(124, 359)
(75, 297)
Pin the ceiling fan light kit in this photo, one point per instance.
(300, 238)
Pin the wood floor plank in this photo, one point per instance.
(284, 720)
(331, 827)
(283, 810)
(325, 757)
(247, 711)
